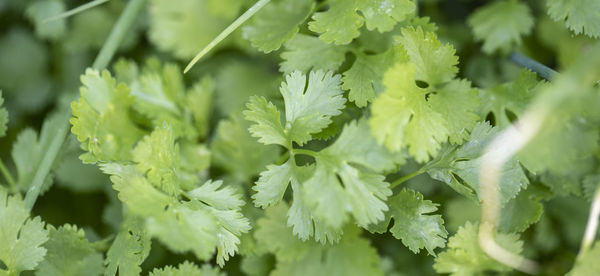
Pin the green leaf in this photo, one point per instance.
(434, 63)
(304, 52)
(490, 25)
(464, 256)
(39, 11)
(459, 166)
(29, 149)
(183, 26)
(580, 16)
(276, 23)
(271, 184)
(340, 23)
(187, 269)
(420, 118)
(510, 99)
(414, 224)
(157, 156)
(588, 264)
(129, 249)
(101, 119)
(21, 238)
(70, 253)
(308, 108)
(234, 150)
(268, 127)
(3, 117)
(367, 73)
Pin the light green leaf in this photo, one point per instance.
(434, 63)
(268, 127)
(129, 249)
(414, 224)
(187, 269)
(21, 238)
(70, 253)
(340, 23)
(101, 119)
(157, 156)
(367, 73)
(464, 256)
(271, 184)
(581, 16)
(37, 12)
(490, 25)
(588, 264)
(304, 52)
(276, 23)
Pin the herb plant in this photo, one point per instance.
(299, 137)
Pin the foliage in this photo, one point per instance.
(321, 137)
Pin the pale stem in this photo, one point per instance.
(592, 225)
(79, 9)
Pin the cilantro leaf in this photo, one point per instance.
(21, 238)
(455, 166)
(367, 73)
(238, 153)
(29, 149)
(489, 24)
(588, 263)
(276, 23)
(308, 108)
(580, 16)
(157, 156)
(37, 12)
(509, 98)
(304, 52)
(464, 256)
(101, 119)
(183, 26)
(434, 63)
(407, 115)
(414, 224)
(187, 269)
(70, 253)
(353, 255)
(128, 250)
(340, 23)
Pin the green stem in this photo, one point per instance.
(79, 9)
(305, 152)
(47, 161)
(283, 158)
(533, 65)
(238, 22)
(117, 33)
(8, 176)
(407, 177)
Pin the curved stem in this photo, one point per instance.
(76, 10)
(305, 152)
(118, 32)
(407, 177)
(533, 65)
(592, 225)
(237, 23)
(8, 176)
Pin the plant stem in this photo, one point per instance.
(117, 33)
(533, 65)
(238, 22)
(592, 225)
(8, 176)
(76, 10)
(407, 177)
(305, 152)
(48, 159)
